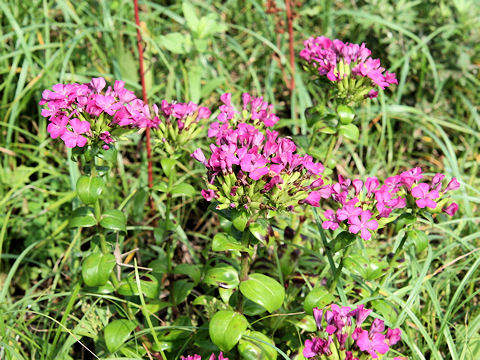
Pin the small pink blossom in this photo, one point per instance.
(451, 209)
(362, 225)
(424, 196)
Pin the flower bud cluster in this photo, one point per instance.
(79, 113)
(198, 357)
(251, 168)
(348, 67)
(358, 205)
(341, 335)
(180, 124)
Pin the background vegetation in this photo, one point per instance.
(431, 119)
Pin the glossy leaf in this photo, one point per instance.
(346, 114)
(96, 269)
(117, 332)
(252, 349)
(181, 289)
(89, 189)
(226, 328)
(264, 291)
(189, 269)
(225, 242)
(168, 165)
(82, 217)
(183, 189)
(349, 132)
(419, 239)
(259, 230)
(317, 297)
(239, 220)
(113, 220)
(148, 284)
(225, 276)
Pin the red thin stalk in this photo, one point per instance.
(144, 93)
(290, 41)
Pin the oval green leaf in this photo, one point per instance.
(224, 276)
(346, 114)
(318, 297)
(349, 132)
(96, 269)
(148, 284)
(82, 217)
(264, 291)
(252, 349)
(226, 328)
(89, 188)
(117, 332)
(114, 220)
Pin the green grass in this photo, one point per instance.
(430, 119)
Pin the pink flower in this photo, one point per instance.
(452, 185)
(362, 224)
(393, 336)
(372, 343)
(313, 199)
(425, 198)
(208, 195)
(73, 138)
(98, 84)
(57, 126)
(199, 156)
(451, 209)
(332, 222)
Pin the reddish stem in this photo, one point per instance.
(290, 41)
(144, 92)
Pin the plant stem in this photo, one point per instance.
(244, 266)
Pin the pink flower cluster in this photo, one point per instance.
(182, 111)
(341, 330)
(254, 111)
(255, 170)
(75, 111)
(198, 357)
(360, 204)
(338, 60)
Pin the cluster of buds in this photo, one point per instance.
(360, 204)
(342, 336)
(180, 124)
(198, 357)
(348, 67)
(251, 168)
(86, 113)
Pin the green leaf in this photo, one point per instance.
(419, 239)
(148, 284)
(194, 80)
(264, 291)
(343, 240)
(96, 269)
(82, 217)
(184, 189)
(225, 276)
(162, 187)
(251, 349)
(349, 132)
(168, 165)
(89, 189)
(307, 323)
(239, 220)
(117, 332)
(189, 269)
(181, 289)
(259, 230)
(176, 42)
(365, 267)
(225, 242)
(226, 328)
(114, 220)
(318, 297)
(346, 114)
(190, 16)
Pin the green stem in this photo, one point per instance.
(333, 140)
(244, 266)
(106, 250)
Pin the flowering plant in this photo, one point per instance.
(341, 335)
(252, 169)
(366, 206)
(348, 68)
